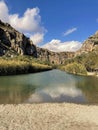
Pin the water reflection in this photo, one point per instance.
(51, 86)
(59, 94)
(13, 90)
(89, 87)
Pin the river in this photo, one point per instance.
(50, 86)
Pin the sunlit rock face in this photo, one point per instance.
(53, 57)
(14, 42)
(91, 44)
(10, 39)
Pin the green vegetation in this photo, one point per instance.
(75, 68)
(89, 60)
(21, 65)
(86, 62)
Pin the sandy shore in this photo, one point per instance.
(48, 117)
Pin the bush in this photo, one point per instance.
(76, 68)
(21, 65)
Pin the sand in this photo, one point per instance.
(56, 116)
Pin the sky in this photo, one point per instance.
(58, 25)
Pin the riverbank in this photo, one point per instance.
(21, 65)
(56, 116)
(62, 68)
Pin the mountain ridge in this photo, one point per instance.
(11, 39)
(91, 44)
(13, 42)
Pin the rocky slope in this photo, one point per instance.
(91, 44)
(85, 60)
(53, 57)
(13, 42)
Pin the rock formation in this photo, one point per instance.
(13, 42)
(53, 57)
(10, 39)
(91, 44)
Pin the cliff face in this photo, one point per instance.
(14, 42)
(91, 44)
(53, 57)
(11, 41)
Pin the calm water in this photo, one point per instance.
(50, 86)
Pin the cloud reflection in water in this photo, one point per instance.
(59, 93)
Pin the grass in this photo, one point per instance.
(82, 64)
(21, 65)
(74, 68)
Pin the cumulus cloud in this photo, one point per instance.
(4, 16)
(69, 31)
(30, 22)
(37, 38)
(58, 46)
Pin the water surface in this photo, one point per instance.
(50, 86)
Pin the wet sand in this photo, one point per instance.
(55, 116)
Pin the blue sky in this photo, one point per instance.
(56, 23)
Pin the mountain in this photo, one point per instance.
(89, 45)
(13, 42)
(85, 60)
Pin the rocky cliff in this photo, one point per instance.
(13, 42)
(53, 57)
(91, 44)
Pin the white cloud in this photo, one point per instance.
(58, 46)
(37, 38)
(4, 16)
(30, 22)
(69, 31)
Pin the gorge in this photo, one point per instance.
(15, 44)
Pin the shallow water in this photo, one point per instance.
(50, 86)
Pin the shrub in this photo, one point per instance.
(21, 65)
(76, 68)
